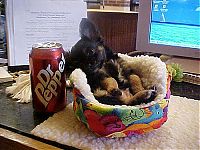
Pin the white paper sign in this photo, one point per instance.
(41, 21)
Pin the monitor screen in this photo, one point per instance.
(169, 27)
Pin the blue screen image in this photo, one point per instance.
(176, 23)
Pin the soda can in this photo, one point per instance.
(48, 80)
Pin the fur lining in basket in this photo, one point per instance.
(151, 70)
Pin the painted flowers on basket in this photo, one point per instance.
(119, 121)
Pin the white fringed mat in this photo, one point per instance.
(181, 131)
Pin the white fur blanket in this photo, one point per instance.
(181, 131)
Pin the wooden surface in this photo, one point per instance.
(10, 140)
(118, 28)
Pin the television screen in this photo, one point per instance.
(169, 27)
(175, 22)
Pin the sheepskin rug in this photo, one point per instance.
(181, 131)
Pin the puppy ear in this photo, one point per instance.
(89, 30)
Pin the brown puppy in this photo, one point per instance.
(110, 81)
(122, 85)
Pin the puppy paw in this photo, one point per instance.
(154, 88)
(145, 96)
(100, 93)
(150, 96)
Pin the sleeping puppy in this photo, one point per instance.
(110, 81)
(125, 85)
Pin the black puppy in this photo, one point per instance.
(89, 54)
(110, 81)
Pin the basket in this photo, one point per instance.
(121, 121)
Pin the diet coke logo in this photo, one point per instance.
(49, 82)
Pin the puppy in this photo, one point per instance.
(89, 54)
(122, 85)
(109, 79)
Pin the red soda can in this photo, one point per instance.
(48, 82)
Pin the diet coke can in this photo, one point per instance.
(48, 82)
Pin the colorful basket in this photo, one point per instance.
(120, 121)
